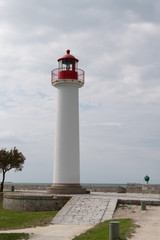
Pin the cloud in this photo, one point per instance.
(117, 43)
(6, 134)
(106, 124)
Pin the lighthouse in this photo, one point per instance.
(67, 79)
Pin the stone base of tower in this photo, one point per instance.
(66, 189)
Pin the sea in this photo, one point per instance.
(96, 184)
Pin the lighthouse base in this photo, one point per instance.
(66, 189)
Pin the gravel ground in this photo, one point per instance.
(148, 220)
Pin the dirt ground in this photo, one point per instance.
(53, 232)
(148, 220)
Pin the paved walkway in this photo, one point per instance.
(86, 210)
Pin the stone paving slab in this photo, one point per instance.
(86, 209)
(96, 207)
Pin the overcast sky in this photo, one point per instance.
(117, 43)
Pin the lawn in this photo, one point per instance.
(101, 231)
(10, 219)
(14, 236)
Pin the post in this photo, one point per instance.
(12, 188)
(114, 230)
(143, 205)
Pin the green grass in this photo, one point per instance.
(14, 236)
(101, 231)
(10, 219)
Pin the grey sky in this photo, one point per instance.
(117, 44)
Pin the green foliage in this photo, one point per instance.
(9, 160)
(101, 231)
(14, 236)
(10, 219)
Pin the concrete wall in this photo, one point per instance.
(150, 189)
(133, 188)
(43, 187)
(153, 189)
(104, 188)
(18, 186)
(26, 202)
(138, 202)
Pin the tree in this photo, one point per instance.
(12, 159)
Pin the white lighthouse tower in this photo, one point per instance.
(67, 78)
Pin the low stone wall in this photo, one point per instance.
(138, 202)
(104, 188)
(43, 187)
(146, 189)
(32, 203)
(18, 186)
(133, 188)
(152, 189)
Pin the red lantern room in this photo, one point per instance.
(67, 69)
(68, 65)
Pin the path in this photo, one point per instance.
(53, 232)
(86, 210)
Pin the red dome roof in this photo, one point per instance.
(68, 56)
